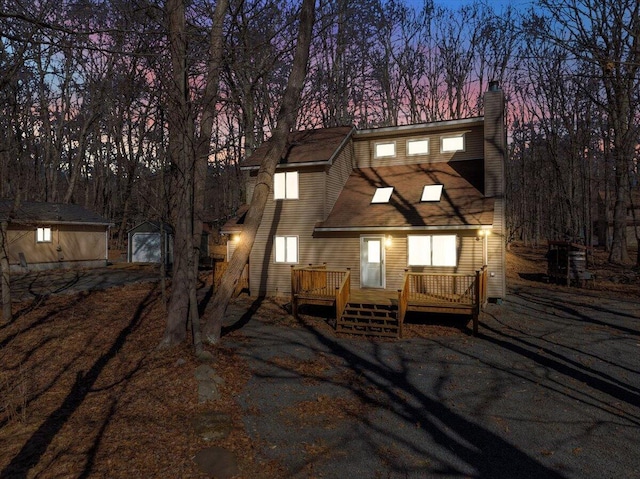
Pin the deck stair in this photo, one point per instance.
(369, 319)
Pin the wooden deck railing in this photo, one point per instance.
(315, 284)
(440, 291)
(342, 294)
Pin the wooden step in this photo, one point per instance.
(369, 320)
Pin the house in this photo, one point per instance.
(145, 242)
(383, 203)
(604, 222)
(53, 235)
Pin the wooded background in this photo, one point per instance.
(87, 88)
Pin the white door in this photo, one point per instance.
(372, 262)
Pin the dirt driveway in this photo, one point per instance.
(550, 389)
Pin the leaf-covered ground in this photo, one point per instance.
(85, 393)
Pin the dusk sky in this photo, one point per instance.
(454, 4)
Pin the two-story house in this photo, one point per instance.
(422, 198)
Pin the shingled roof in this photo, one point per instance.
(461, 204)
(30, 212)
(308, 146)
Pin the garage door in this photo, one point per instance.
(145, 248)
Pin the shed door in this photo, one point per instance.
(145, 248)
(372, 262)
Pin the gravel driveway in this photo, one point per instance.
(550, 389)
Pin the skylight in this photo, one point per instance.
(382, 195)
(431, 193)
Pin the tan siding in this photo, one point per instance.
(337, 176)
(364, 147)
(69, 243)
(287, 217)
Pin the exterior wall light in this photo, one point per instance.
(388, 241)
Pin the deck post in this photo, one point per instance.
(294, 305)
(476, 303)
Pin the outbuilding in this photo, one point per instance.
(44, 236)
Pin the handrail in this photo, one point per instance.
(403, 299)
(320, 282)
(342, 294)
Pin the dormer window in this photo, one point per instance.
(451, 144)
(418, 147)
(382, 195)
(285, 185)
(431, 193)
(385, 150)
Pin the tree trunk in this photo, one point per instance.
(190, 161)
(6, 276)
(277, 145)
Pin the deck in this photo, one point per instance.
(381, 312)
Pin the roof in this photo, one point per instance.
(30, 212)
(235, 224)
(308, 146)
(461, 205)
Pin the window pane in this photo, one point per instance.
(382, 195)
(373, 251)
(418, 147)
(385, 149)
(419, 250)
(43, 235)
(453, 143)
(281, 249)
(279, 186)
(292, 185)
(292, 249)
(444, 250)
(431, 193)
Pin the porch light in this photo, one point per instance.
(235, 237)
(388, 241)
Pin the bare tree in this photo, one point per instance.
(189, 152)
(286, 120)
(607, 36)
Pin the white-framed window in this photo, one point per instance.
(453, 143)
(432, 250)
(382, 195)
(286, 249)
(285, 185)
(418, 147)
(385, 149)
(43, 234)
(431, 193)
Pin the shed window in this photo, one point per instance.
(431, 193)
(43, 235)
(431, 250)
(382, 195)
(286, 249)
(452, 143)
(418, 147)
(285, 185)
(385, 150)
